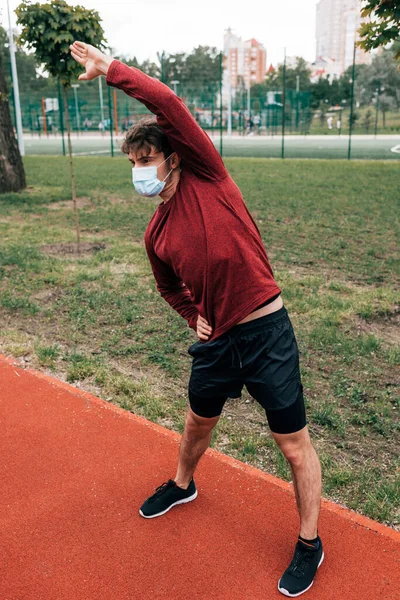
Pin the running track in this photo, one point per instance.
(74, 472)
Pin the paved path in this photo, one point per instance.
(74, 472)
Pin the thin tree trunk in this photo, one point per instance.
(71, 166)
(12, 175)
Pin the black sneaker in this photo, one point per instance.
(299, 576)
(167, 496)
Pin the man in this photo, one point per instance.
(210, 265)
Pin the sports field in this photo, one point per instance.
(331, 231)
(319, 146)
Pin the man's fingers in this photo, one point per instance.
(76, 48)
(78, 58)
(83, 76)
(204, 323)
(204, 329)
(82, 45)
(202, 336)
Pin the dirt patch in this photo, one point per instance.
(386, 327)
(46, 295)
(114, 199)
(123, 268)
(71, 249)
(81, 202)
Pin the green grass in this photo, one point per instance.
(331, 230)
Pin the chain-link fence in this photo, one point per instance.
(259, 122)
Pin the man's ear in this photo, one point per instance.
(175, 160)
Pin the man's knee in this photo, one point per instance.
(294, 446)
(196, 422)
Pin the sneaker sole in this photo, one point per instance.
(286, 593)
(184, 501)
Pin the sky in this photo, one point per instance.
(141, 29)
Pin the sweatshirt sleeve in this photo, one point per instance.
(186, 137)
(172, 289)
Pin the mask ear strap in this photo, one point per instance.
(168, 175)
(166, 159)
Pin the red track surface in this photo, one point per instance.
(74, 472)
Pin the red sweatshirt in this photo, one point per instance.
(204, 247)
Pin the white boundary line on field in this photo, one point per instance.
(93, 152)
(395, 149)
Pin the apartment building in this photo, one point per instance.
(337, 25)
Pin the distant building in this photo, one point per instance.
(245, 59)
(336, 31)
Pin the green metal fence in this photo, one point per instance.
(273, 123)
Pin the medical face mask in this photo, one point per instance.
(146, 181)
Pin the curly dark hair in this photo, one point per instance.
(146, 134)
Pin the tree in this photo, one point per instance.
(383, 73)
(26, 65)
(12, 176)
(50, 29)
(354, 118)
(384, 24)
(202, 74)
(301, 71)
(323, 110)
(198, 73)
(368, 120)
(386, 103)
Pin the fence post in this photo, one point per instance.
(352, 101)
(44, 117)
(115, 112)
(111, 120)
(283, 106)
(61, 113)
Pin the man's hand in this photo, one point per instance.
(95, 62)
(203, 328)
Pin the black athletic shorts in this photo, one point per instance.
(261, 354)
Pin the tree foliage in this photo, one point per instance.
(383, 26)
(50, 28)
(301, 71)
(26, 64)
(198, 72)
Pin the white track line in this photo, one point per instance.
(395, 149)
(94, 152)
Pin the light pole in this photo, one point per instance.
(229, 86)
(101, 106)
(175, 83)
(16, 88)
(75, 86)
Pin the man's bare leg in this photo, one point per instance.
(306, 471)
(196, 438)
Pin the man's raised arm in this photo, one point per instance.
(185, 136)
